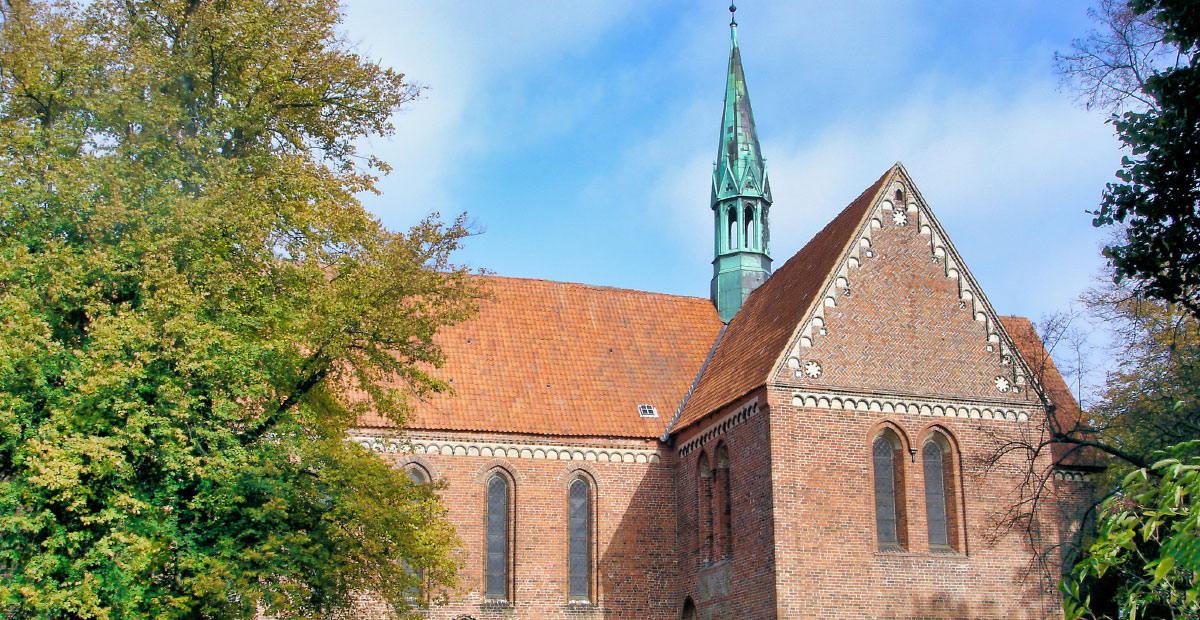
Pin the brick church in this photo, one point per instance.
(809, 442)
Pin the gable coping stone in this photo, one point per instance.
(942, 250)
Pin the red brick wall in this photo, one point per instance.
(903, 335)
(1076, 498)
(825, 542)
(803, 540)
(742, 584)
(635, 528)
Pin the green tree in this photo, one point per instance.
(1156, 203)
(1144, 65)
(194, 309)
(1146, 558)
(1151, 399)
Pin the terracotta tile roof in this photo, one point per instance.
(558, 358)
(1066, 409)
(760, 331)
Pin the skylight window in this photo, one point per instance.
(647, 411)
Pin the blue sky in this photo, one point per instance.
(580, 135)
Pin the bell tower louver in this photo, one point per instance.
(741, 197)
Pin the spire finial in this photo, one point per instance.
(732, 15)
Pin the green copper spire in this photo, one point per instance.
(741, 196)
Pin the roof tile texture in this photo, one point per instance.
(558, 358)
(1066, 409)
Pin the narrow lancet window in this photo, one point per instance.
(733, 229)
(497, 562)
(704, 484)
(724, 509)
(418, 476)
(580, 559)
(885, 494)
(889, 491)
(689, 609)
(940, 491)
(935, 495)
(750, 239)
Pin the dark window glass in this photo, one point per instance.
(705, 518)
(580, 547)
(727, 513)
(418, 477)
(497, 539)
(935, 494)
(689, 609)
(885, 493)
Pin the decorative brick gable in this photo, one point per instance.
(901, 314)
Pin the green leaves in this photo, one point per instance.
(1146, 557)
(1156, 202)
(194, 309)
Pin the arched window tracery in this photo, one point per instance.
(580, 515)
(941, 492)
(498, 549)
(417, 474)
(887, 452)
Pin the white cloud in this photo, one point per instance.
(460, 51)
(1009, 177)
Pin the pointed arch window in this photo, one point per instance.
(750, 222)
(940, 492)
(689, 609)
(888, 467)
(704, 517)
(723, 508)
(497, 562)
(417, 474)
(732, 242)
(580, 544)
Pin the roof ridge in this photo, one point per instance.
(591, 286)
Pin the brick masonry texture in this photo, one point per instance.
(829, 563)
(900, 327)
(798, 539)
(634, 542)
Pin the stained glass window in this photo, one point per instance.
(934, 458)
(497, 538)
(580, 515)
(885, 493)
